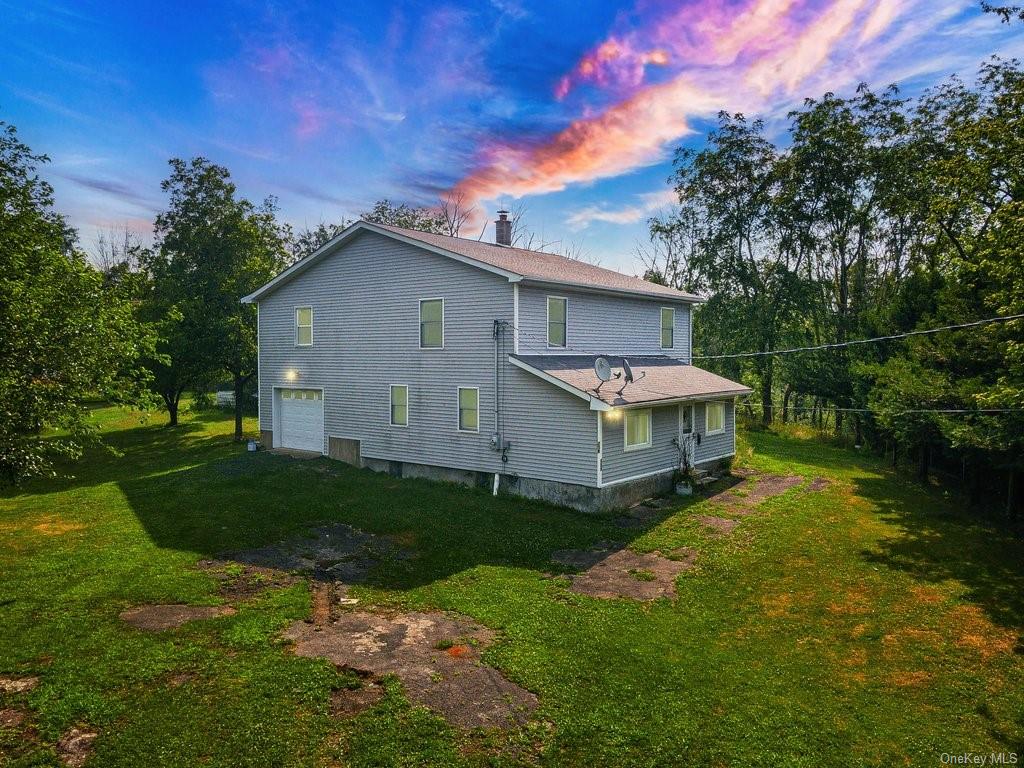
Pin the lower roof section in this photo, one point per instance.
(657, 379)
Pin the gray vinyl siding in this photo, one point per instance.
(714, 446)
(619, 464)
(601, 325)
(365, 301)
(553, 433)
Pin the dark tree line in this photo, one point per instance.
(878, 215)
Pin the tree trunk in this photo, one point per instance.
(895, 454)
(239, 394)
(923, 467)
(785, 402)
(171, 400)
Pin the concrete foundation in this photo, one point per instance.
(267, 438)
(579, 497)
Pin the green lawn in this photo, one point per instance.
(870, 623)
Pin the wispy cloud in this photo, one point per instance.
(762, 55)
(647, 204)
(112, 188)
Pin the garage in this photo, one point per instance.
(301, 419)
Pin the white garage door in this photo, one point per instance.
(301, 418)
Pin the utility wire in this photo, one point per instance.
(840, 344)
(875, 411)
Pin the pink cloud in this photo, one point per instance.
(721, 57)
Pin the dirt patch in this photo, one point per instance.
(74, 747)
(625, 573)
(908, 679)
(743, 498)
(976, 632)
(581, 559)
(778, 605)
(817, 485)
(157, 618)
(415, 647)
(18, 684)
(242, 582)
(180, 678)
(11, 718)
(335, 552)
(640, 516)
(720, 525)
(349, 702)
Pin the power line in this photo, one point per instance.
(840, 344)
(895, 413)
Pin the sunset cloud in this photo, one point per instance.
(718, 58)
(647, 204)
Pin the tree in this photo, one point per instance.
(310, 240)
(1004, 12)
(212, 249)
(407, 216)
(68, 335)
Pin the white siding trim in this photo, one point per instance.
(259, 376)
(626, 447)
(716, 458)
(638, 477)
(458, 411)
(310, 308)
(600, 446)
(419, 323)
(661, 327)
(547, 321)
(707, 410)
(391, 406)
(515, 318)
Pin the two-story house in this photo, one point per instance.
(431, 356)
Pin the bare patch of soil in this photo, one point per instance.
(581, 559)
(417, 648)
(157, 618)
(817, 485)
(350, 702)
(743, 498)
(18, 684)
(639, 516)
(625, 573)
(242, 582)
(74, 747)
(11, 718)
(720, 525)
(335, 552)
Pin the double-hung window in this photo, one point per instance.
(304, 326)
(431, 323)
(668, 327)
(558, 310)
(469, 409)
(399, 405)
(637, 428)
(714, 418)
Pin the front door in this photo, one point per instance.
(686, 436)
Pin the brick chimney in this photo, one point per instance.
(503, 229)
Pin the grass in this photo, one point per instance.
(871, 623)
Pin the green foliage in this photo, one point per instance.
(406, 216)
(68, 334)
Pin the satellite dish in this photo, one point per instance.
(603, 369)
(629, 371)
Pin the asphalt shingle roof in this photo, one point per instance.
(541, 266)
(657, 378)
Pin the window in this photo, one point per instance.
(304, 326)
(668, 328)
(399, 405)
(557, 313)
(469, 409)
(302, 394)
(638, 429)
(431, 323)
(714, 418)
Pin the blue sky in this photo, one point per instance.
(572, 107)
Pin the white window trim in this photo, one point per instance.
(391, 405)
(650, 429)
(706, 410)
(419, 323)
(458, 411)
(547, 323)
(661, 328)
(304, 306)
